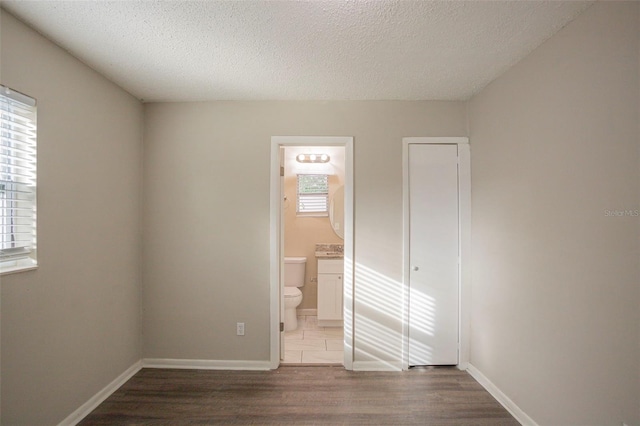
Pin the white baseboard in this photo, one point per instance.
(205, 364)
(503, 399)
(312, 312)
(330, 323)
(463, 366)
(86, 408)
(377, 366)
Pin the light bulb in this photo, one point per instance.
(324, 157)
(301, 158)
(312, 157)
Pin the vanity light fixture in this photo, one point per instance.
(312, 158)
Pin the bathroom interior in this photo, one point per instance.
(313, 218)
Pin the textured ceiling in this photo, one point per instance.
(215, 50)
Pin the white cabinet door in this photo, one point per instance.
(329, 297)
(433, 254)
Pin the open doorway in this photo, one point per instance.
(313, 247)
(311, 195)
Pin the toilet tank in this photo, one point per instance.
(294, 271)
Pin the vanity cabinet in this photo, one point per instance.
(330, 290)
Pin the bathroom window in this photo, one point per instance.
(17, 181)
(313, 195)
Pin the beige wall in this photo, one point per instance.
(206, 254)
(73, 326)
(555, 145)
(301, 233)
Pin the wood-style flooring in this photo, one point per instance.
(300, 396)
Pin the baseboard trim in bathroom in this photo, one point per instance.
(307, 312)
(377, 366)
(85, 409)
(503, 399)
(330, 323)
(293, 364)
(205, 364)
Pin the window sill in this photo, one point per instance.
(16, 269)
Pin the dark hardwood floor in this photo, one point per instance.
(301, 396)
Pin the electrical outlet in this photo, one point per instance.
(240, 329)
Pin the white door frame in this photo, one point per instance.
(276, 255)
(464, 221)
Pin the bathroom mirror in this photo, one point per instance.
(336, 212)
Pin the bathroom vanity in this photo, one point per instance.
(330, 290)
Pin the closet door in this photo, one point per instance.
(433, 254)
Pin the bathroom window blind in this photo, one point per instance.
(17, 180)
(313, 195)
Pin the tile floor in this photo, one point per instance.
(310, 344)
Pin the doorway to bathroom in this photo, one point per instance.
(311, 250)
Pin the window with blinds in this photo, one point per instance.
(17, 181)
(313, 195)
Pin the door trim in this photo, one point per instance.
(275, 252)
(464, 244)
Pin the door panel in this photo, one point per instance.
(329, 297)
(433, 254)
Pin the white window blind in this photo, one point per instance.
(17, 180)
(313, 195)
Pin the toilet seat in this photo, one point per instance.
(292, 292)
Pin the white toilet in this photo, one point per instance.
(293, 278)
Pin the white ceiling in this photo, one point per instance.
(306, 50)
